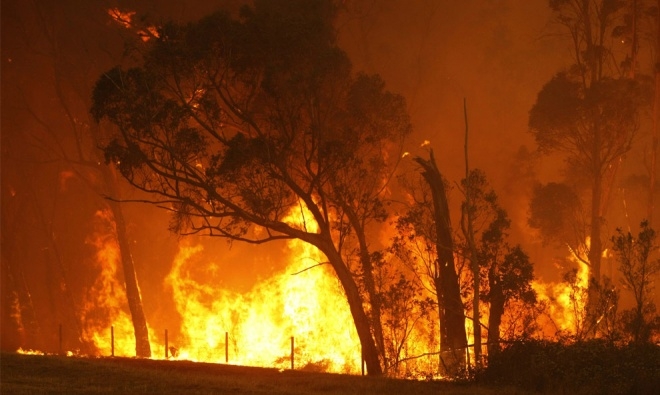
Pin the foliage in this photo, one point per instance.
(500, 262)
(580, 368)
(404, 308)
(576, 119)
(505, 271)
(234, 124)
(556, 211)
(638, 263)
(590, 113)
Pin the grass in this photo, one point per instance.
(34, 374)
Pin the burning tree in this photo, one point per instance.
(425, 243)
(232, 124)
(589, 112)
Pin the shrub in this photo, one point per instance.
(593, 366)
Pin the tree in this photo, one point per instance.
(589, 112)
(235, 124)
(66, 137)
(427, 226)
(638, 264)
(556, 211)
(505, 272)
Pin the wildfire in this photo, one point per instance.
(307, 305)
(566, 300)
(104, 310)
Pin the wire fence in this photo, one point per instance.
(290, 354)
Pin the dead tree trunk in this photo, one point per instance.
(468, 232)
(453, 339)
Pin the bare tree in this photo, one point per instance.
(67, 136)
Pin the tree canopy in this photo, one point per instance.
(236, 123)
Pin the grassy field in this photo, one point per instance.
(31, 374)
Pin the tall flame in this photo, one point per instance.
(104, 310)
(566, 301)
(308, 305)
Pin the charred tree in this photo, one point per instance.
(453, 338)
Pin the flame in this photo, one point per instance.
(29, 352)
(566, 302)
(125, 19)
(305, 301)
(104, 310)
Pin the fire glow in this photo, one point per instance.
(303, 303)
(308, 306)
(104, 307)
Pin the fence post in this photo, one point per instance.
(166, 345)
(112, 340)
(226, 347)
(60, 337)
(292, 352)
(362, 360)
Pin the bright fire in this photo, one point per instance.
(308, 305)
(566, 300)
(305, 301)
(105, 308)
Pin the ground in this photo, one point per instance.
(30, 374)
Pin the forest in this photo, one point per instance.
(415, 190)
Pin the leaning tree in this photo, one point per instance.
(234, 123)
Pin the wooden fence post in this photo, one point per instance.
(362, 360)
(112, 340)
(166, 346)
(292, 348)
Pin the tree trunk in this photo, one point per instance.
(355, 304)
(595, 253)
(142, 345)
(451, 310)
(374, 298)
(496, 298)
(474, 258)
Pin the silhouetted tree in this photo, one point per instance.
(425, 242)
(504, 270)
(638, 263)
(66, 136)
(234, 124)
(589, 112)
(556, 211)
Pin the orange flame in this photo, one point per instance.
(566, 302)
(308, 305)
(105, 305)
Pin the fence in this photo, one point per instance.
(426, 362)
(114, 341)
